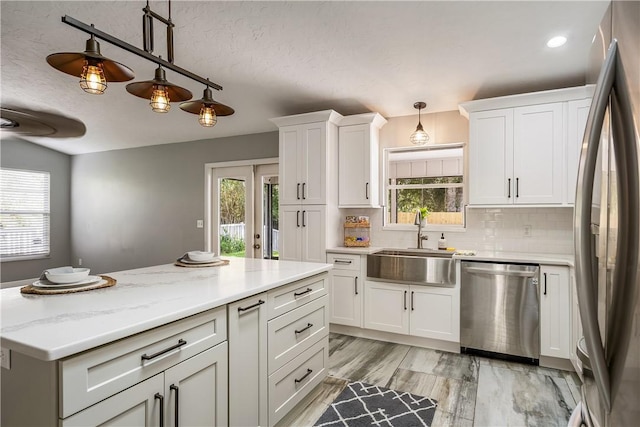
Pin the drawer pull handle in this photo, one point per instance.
(161, 399)
(177, 406)
(309, 371)
(298, 294)
(309, 325)
(260, 302)
(181, 342)
(342, 261)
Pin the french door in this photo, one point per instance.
(244, 211)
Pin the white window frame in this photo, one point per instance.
(46, 213)
(388, 187)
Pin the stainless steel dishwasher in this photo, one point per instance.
(499, 310)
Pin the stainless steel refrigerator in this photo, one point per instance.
(607, 227)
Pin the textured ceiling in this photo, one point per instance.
(279, 58)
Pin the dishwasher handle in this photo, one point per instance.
(492, 272)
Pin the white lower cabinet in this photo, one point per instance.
(248, 362)
(554, 311)
(346, 288)
(422, 311)
(191, 393)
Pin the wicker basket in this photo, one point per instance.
(357, 234)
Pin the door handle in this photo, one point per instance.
(517, 187)
(297, 218)
(304, 191)
(509, 188)
(405, 300)
(366, 191)
(177, 405)
(260, 302)
(256, 246)
(412, 292)
(298, 191)
(160, 397)
(356, 284)
(545, 283)
(304, 220)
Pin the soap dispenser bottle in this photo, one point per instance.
(442, 243)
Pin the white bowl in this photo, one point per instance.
(200, 256)
(66, 274)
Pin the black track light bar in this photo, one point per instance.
(130, 48)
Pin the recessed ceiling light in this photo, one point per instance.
(557, 41)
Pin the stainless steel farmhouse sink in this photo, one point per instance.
(415, 266)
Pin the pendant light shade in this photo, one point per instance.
(159, 91)
(93, 69)
(419, 137)
(207, 109)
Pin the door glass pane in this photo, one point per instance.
(270, 217)
(232, 217)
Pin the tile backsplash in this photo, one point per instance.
(489, 229)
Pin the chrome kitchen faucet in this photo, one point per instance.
(418, 222)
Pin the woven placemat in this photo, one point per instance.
(30, 289)
(207, 264)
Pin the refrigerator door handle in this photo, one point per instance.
(586, 283)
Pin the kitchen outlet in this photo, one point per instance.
(527, 231)
(5, 358)
(79, 261)
(199, 223)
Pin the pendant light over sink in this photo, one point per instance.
(96, 71)
(419, 137)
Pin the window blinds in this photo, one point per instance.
(24, 213)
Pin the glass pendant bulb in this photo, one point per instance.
(160, 99)
(92, 79)
(419, 137)
(208, 117)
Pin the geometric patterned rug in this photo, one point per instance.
(362, 404)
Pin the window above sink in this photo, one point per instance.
(431, 176)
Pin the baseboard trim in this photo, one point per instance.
(451, 347)
(556, 363)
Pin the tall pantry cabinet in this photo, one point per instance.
(308, 184)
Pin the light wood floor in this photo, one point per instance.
(470, 390)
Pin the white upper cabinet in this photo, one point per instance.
(522, 147)
(578, 111)
(304, 151)
(358, 147)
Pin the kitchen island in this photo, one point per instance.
(126, 325)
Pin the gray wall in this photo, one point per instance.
(19, 154)
(138, 207)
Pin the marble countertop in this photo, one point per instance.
(51, 327)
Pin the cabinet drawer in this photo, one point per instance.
(97, 374)
(286, 298)
(293, 381)
(344, 261)
(294, 332)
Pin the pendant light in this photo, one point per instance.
(159, 91)
(93, 69)
(419, 137)
(207, 109)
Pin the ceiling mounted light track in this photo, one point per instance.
(96, 71)
(419, 137)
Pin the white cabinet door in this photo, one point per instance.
(346, 298)
(491, 157)
(537, 154)
(578, 111)
(196, 390)
(386, 307)
(313, 234)
(554, 311)
(139, 405)
(357, 162)
(314, 164)
(435, 313)
(289, 240)
(248, 376)
(291, 164)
